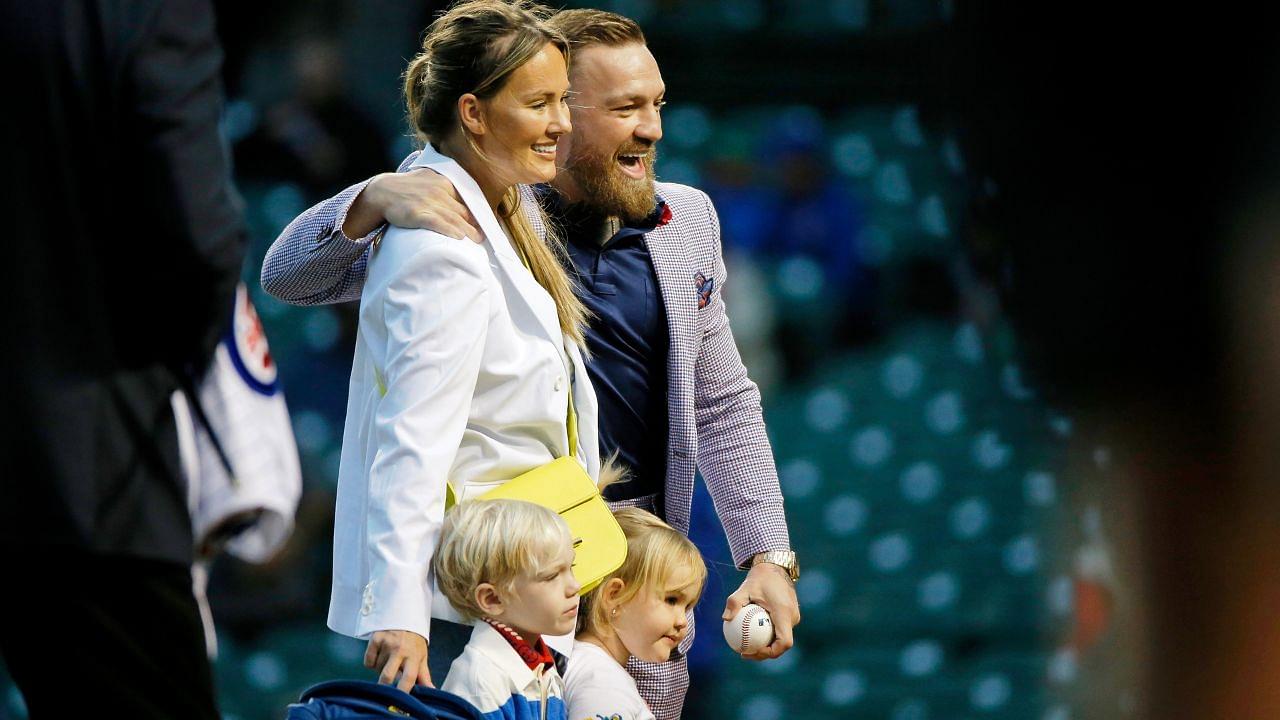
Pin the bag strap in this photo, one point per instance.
(571, 422)
(187, 383)
(571, 415)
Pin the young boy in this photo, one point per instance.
(508, 565)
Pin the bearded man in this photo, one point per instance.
(673, 393)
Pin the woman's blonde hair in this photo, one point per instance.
(495, 541)
(474, 47)
(657, 555)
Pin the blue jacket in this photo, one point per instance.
(364, 700)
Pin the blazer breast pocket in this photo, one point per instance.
(705, 288)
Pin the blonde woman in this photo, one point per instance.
(467, 353)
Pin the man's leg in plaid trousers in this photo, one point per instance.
(662, 685)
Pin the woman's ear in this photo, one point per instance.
(471, 114)
(488, 600)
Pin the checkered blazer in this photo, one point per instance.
(715, 418)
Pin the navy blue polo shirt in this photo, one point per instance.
(628, 338)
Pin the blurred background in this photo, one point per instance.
(1007, 280)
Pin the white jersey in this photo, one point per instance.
(596, 687)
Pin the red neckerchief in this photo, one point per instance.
(666, 215)
(533, 654)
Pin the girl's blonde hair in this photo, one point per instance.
(495, 541)
(657, 555)
(474, 48)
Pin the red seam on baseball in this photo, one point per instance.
(746, 625)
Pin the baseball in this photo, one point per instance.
(750, 630)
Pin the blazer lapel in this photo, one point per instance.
(534, 296)
(671, 265)
(675, 271)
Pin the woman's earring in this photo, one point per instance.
(614, 612)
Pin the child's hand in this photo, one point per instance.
(768, 586)
(399, 652)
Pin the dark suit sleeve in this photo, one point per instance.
(186, 205)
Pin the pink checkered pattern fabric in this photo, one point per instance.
(313, 262)
(716, 423)
(662, 685)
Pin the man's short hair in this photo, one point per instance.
(495, 541)
(583, 27)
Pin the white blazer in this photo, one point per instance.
(469, 350)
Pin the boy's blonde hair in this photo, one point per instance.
(495, 541)
(656, 554)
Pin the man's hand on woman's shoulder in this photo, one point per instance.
(419, 198)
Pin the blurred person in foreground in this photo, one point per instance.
(674, 395)
(105, 316)
(1145, 281)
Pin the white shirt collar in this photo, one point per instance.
(490, 643)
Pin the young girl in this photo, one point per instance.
(641, 610)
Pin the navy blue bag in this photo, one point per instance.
(366, 700)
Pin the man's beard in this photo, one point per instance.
(607, 190)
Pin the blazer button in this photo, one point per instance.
(559, 383)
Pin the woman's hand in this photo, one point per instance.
(399, 652)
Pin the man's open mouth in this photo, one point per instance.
(633, 164)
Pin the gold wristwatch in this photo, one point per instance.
(784, 559)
